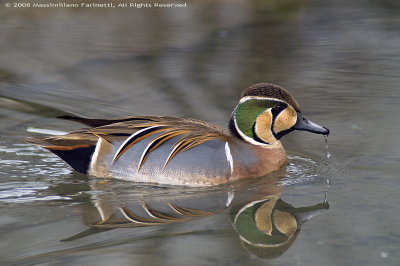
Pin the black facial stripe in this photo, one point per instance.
(256, 138)
(283, 133)
(277, 109)
(275, 112)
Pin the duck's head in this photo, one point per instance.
(267, 112)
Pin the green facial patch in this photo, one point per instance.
(247, 112)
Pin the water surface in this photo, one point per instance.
(340, 59)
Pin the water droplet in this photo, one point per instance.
(328, 153)
(328, 182)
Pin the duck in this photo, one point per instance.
(186, 151)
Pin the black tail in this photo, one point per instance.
(79, 158)
(77, 153)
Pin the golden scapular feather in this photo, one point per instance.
(190, 132)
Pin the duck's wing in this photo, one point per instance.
(77, 147)
(188, 133)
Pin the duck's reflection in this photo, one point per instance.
(266, 225)
(160, 209)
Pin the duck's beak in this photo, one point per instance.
(306, 125)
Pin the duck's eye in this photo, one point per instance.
(277, 109)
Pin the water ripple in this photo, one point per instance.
(306, 170)
(40, 162)
(22, 192)
(27, 172)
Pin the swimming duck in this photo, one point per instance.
(186, 151)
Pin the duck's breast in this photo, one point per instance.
(256, 160)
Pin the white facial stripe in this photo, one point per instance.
(247, 98)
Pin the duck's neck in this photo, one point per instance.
(232, 128)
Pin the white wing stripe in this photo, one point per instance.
(229, 156)
(129, 138)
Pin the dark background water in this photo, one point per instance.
(340, 59)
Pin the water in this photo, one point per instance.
(328, 153)
(339, 204)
